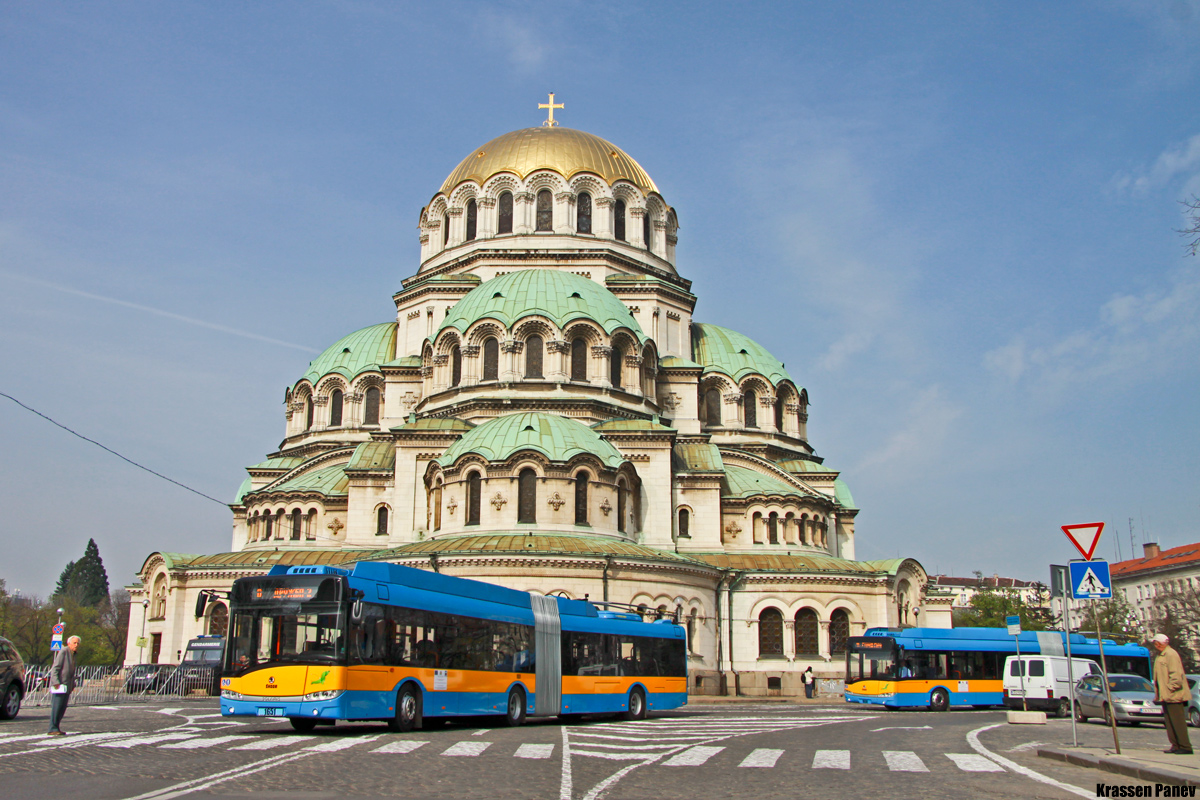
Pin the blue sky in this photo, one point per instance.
(955, 222)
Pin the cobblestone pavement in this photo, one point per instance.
(160, 751)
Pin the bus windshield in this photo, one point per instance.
(870, 658)
(286, 620)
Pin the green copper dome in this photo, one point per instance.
(557, 438)
(721, 350)
(357, 353)
(557, 295)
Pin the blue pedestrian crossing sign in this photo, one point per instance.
(1090, 580)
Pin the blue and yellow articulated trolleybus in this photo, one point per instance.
(414, 648)
(942, 667)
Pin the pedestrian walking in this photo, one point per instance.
(810, 683)
(1171, 691)
(62, 683)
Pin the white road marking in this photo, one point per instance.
(125, 744)
(761, 757)
(973, 740)
(83, 738)
(198, 784)
(534, 751)
(166, 710)
(692, 757)
(831, 759)
(344, 743)
(904, 761)
(199, 744)
(406, 746)
(969, 762)
(466, 749)
(29, 738)
(667, 745)
(479, 732)
(273, 742)
(904, 728)
(615, 756)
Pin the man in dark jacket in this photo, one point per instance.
(62, 683)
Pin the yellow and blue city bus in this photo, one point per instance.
(413, 648)
(942, 667)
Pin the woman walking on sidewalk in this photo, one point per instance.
(810, 683)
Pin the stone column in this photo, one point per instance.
(564, 212)
(471, 366)
(558, 355)
(458, 222)
(633, 226)
(487, 221)
(660, 238)
(598, 376)
(524, 206)
(823, 639)
(510, 370)
(602, 217)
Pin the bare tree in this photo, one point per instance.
(1177, 614)
(113, 623)
(1192, 205)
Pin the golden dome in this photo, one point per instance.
(567, 152)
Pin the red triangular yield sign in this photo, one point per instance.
(1085, 537)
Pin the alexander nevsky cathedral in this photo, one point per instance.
(544, 412)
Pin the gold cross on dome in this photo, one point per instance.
(550, 121)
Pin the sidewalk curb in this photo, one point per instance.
(1119, 765)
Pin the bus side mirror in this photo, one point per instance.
(201, 604)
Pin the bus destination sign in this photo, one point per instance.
(285, 592)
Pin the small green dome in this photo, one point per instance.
(721, 350)
(555, 294)
(557, 438)
(357, 353)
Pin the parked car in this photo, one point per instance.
(1045, 685)
(1193, 706)
(12, 679)
(143, 678)
(1132, 699)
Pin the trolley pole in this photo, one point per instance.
(1112, 717)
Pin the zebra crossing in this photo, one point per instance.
(640, 743)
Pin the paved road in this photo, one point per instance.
(158, 752)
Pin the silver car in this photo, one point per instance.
(1193, 706)
(1132, 698)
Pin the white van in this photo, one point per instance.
(1046, 686)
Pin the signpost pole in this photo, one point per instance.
(1070, 665)
(1014, 630)
(1112, 717)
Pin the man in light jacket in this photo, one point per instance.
(62, 683)
(1171, 691)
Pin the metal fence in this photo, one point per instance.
(103, 685)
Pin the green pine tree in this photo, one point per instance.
(85, 581)
(64, 580)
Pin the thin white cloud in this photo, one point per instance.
(1179, 159)
(524, 45)
(158, 312)
(925, 429)
(1134, 336)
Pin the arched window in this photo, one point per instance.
(750, 408)
(807, 626)
(472, 219)
(269, 518)
(445, 229)
(505, 207)
(308, 413)
(712, 406)
(491, 359)
(578, 359)
(218, 620)
(455, 366)
(527, 496)
(839, 630)
(619, 220)
(381, 521)
(297, 525)
(310, 525)
(371, 406)
(646, 228)
(533, 357)
(583, 213)
(685, 523)
(614, 366)
(581, 499)
(621, 502)
(159, 609)
(773, 528)
(437, 506)
(779, 414)
(545, 210)
(474, 493)
(770, 632)
(335, 408)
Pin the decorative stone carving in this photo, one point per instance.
(498, 501)
(669, 401)
(605, 506)
(452, 506)
(471, 351)
(410, 400)
(555, 501)
(426, 372)
(512, 346)
(601, 350)
(558, 346)
(673, 315)
(441, 361)
(733, 529)
(335, 526)
(733, 398)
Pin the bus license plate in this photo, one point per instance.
(270, 712)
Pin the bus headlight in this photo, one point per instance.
(229, 694)
(314, 697)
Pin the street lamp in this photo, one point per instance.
(916, 617)
(145, 612)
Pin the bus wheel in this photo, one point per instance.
(408, 710)
(939, 700)
(1063, 710)
(637, 706)
(515, 715)
(302, 724)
